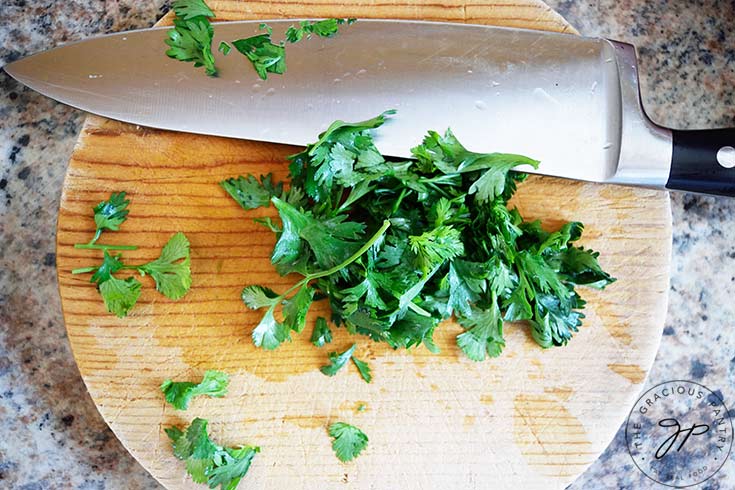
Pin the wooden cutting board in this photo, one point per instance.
(529, 419)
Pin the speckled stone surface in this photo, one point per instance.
(51, 435)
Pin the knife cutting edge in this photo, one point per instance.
(571, 102)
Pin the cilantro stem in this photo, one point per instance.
(397, 204)
(353, 257)
(96, 236)
(92, 245)
(84, 270)
(316, 275)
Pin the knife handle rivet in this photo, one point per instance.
(726, 156)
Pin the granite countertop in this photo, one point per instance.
(51, 435)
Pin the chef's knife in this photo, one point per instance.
(571, 102)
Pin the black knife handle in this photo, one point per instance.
(703, 161)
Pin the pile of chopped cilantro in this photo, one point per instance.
(397, 246)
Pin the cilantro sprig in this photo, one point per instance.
(448, 246)
(208, 462)
(180, 393)
(171, 271)
(348, 441)
(108, 215)
(191, 38)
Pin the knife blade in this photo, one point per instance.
(571, 102)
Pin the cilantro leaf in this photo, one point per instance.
(171, 270)
(120, 295)
(363, 368)
(259, 297)
(337, 361)
(294, 309)
(265, 56)
(270, 333)
(331, 240)
(435, 246)
(190, 9)
(235, 463)
(349, 441)
(191, 40)
(484, 334)
(251, 194)
(179, 394)
(321, 334)
(194, 442)
(110, 214)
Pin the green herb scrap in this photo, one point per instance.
(349, 441)
(180, 393)
(452, 246)
(207, 462)
(363, 368)
(321, 334)
(337, 361)
(269, 57)
(191, 37)
(266, 56)
(321, 28)
(224, 48)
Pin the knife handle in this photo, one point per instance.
(703, 161)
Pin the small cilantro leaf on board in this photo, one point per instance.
(256, 297)
(120, 295)
(349, 441)
(337, 361)
(235, 464)
(171, 271)
(451, 247)
(265, 56)
(110, 214)
(363, 368)
(250, 193)
(270, 333)
(180, 393)
(321, 334)
(191, 38)
(208, 462)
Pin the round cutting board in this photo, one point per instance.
(529, 419)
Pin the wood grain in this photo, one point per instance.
(530, 419)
